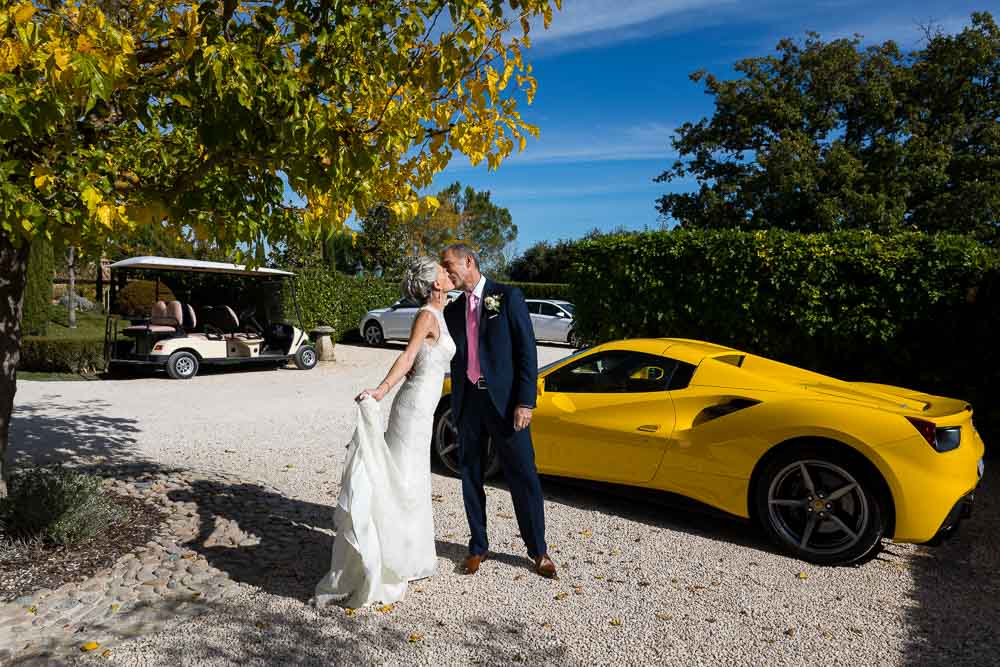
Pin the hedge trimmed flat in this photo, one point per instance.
(827, 468)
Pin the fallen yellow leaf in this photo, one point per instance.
(802, 575)
(616, 621)
(386, 608)
(114, 608)
(586, 533)
(32, 610)
(348, 611)
(416, 637)
(561, 595)
(90, 646)
(106, 653)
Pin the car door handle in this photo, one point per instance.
(649, 428)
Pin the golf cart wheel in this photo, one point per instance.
(446, 449)
(822, 505)
(373, 334)
(306, 358)
(182, 365)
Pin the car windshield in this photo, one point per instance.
(565, 305)
(542, 369)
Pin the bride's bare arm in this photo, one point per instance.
(425, 326)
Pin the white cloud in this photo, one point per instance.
(584, 24)
(645, 141)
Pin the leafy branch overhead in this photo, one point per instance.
(116, 114)
(831, 135)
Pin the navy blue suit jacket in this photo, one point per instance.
(508, 355)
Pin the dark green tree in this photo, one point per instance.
(383, 240)
(829, 135)
(544, 262)
(36, 309)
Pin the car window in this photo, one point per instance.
(548, 309)
(568, 307)
(407, 303)
(533, 307)
(613, 372)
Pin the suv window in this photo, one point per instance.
(533, 307)
(549, 309)
(614, 372)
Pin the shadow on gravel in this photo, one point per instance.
(654, 508)
(955, 619)
(260, 537)
(80, 433)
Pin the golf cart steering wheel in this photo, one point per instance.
(249, 321)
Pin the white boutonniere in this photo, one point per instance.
(492, 303)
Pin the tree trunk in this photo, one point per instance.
(72, 287)
(13, 276)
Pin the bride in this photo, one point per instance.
(384, 520)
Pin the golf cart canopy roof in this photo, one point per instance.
(172, 264)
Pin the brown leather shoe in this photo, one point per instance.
(473, 561)
(545, 567)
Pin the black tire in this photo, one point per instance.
(373, 335)
(182, 365)
(821, 504)
(306, 358)
(574, 340)
(444, 447)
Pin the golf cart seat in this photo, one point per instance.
(224, 319)
(165, 318)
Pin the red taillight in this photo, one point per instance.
(157, 347)
(926, 428)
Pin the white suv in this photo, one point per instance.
(553, 320)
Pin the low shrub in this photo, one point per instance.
(58, 506)
(42, 354)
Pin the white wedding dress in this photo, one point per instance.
(384, 520)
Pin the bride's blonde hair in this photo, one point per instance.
(419, 277)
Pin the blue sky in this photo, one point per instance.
(613, 83)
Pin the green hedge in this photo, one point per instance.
(910, 309)
(338, 300)
(559, 291)
(61, 355)
(38, 289)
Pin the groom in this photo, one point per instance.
(493, 388)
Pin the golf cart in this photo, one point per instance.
(180, 314)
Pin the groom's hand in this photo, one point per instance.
(522, 418)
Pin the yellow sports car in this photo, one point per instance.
(826, 467)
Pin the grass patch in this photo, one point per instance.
(88, 324)
(50, 377)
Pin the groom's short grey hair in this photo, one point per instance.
(462, 250)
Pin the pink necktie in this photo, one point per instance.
(472, 339)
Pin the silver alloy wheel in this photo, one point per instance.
(184, 366)
(373, 334)
(308, 357)
(818, 507)
(446, 447)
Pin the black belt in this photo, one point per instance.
(480, 384)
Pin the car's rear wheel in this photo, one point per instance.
(182, 365)
(574, 340)
(445, 445)
(821, 505)
(306, 358)
(373, 334)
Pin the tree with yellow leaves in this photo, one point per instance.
(119, 113)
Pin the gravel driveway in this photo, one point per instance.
(640, 581)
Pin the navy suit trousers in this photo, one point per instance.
(479, 422)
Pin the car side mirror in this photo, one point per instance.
(560, 314)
